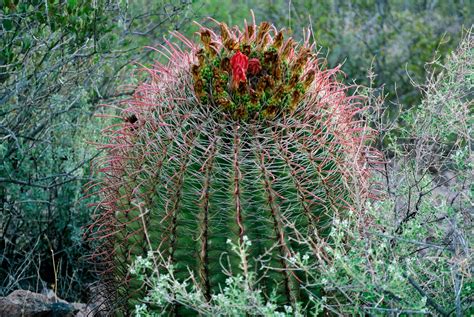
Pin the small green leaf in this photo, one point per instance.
(7, 24)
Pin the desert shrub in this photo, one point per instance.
(411, 252)
(240, 294)
(59, 61)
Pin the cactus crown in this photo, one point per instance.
(252, 75)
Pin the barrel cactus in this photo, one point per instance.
(242, 136)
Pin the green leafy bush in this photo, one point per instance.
(411, 253)
(59, 60)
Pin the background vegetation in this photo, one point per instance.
(61, 61)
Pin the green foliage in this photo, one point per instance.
(45, 117)
(410, 253)
(240, 295)
(59, 60)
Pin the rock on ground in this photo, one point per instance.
(22, 303)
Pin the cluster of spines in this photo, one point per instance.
(252, 75)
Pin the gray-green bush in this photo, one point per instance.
(59, 60)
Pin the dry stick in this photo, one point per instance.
(429, 300)
(55, 286)
(394, 310)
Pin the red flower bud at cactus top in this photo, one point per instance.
(239, 76)
(254, 66)
(239, 63)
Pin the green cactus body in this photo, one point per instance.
(203, 164)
